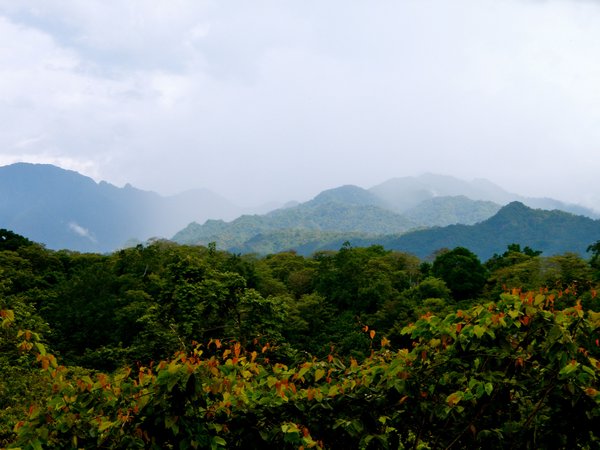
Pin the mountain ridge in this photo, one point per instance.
(552, 232)
(64, 209)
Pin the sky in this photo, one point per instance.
(278, 100)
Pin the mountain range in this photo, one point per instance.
(64, 209)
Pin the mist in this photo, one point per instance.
(277, 101)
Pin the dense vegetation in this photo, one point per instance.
(317, 226)
(171, 346)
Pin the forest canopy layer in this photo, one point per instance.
(171, 346)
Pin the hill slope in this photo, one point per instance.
(313, 220)
(553, 232)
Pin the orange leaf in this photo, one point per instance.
(591, 392)
(372, 334)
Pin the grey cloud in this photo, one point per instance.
(278, 100)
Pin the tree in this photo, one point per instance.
(594, 249)
(462, 271)
(12, 241)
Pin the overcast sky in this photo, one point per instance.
(278, 100)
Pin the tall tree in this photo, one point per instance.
(462, 271)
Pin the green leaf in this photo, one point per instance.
(219, 440)
(319, 373)
(478, 330)
(41, 348)
(104, 425)
(568, 369)
(489, 387)
(216, 442)
(290, 427)
(170, 422)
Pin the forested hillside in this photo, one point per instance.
(553, 232)
(316, 227)
(317, 218)
(171, 346)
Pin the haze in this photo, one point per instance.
(278, 100)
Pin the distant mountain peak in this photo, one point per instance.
(348, 194)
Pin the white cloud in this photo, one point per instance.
(81, 231)
(274, 99)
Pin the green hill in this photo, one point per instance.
(553, 232)
(311, 221)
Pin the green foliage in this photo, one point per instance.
(462, 271)
(517, 372)
(306, 227)
(359, 348)
(12, 241)
(595, 250)
(553, 232)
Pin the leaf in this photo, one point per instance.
(478, 331)
(489, 387)
(333, 390)
(591, 392)
(8, 314)
(454, 398)
(41, 348)
(319, 373)
(217, 441)
(104, 425)
(302, 371)
(568, 369)
(290, 428)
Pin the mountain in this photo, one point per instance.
(348, 195)
(449, 210)
(553, 232)
(365, 217)
(403, 194)
(341, 210)
(64, 209)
